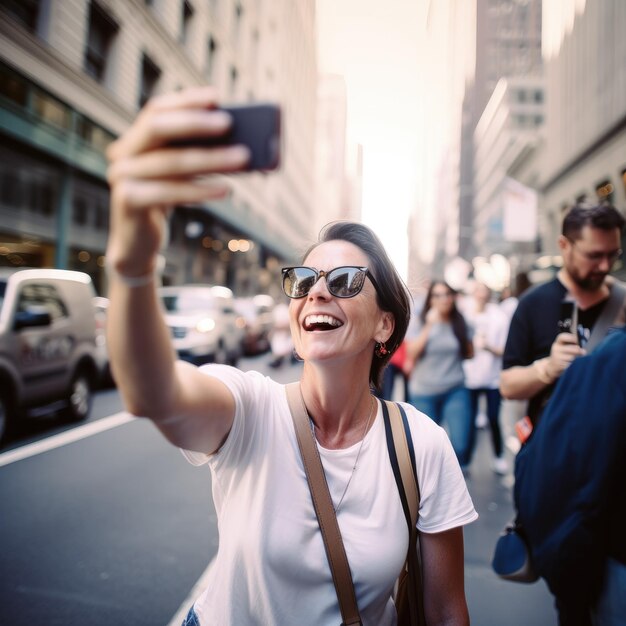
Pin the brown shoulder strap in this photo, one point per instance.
(324, 508)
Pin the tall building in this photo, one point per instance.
(508, 45)
(339, 162)
(73, 74)
(584, 155)
(511, 122)
(447, 64)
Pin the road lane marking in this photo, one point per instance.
(62, 439)
(197, 589)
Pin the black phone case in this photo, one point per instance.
(257, 126)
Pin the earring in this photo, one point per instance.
(380, 350)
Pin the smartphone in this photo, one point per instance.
(568, 319)
(257, 126)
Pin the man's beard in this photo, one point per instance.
(592, 282)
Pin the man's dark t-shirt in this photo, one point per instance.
(534, 328)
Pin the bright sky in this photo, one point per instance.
(375, 46)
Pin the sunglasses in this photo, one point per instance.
(342, 282)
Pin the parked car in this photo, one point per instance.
(47, 342)
(258, 315)
(203, 322)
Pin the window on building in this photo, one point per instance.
(26, 12)
(538, 96)
(605, 191)
(150, 74)
(80, 212)
(92, 134)
(238, 18)
(186, 20)
(47, 194)
(13, 87)
(234, 76)
(521, 95)
(581, 198)
(102, 216)
(211, 58)
(102, 31)
(51, 110)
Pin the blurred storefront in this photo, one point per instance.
(68, 88)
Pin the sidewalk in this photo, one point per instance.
(492, 601)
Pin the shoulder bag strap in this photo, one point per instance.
(607, 317)
(402, 457)
(324, 508)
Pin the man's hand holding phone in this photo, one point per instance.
(563, 351)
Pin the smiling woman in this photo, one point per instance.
(348, 312)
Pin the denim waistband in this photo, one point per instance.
(191, 619)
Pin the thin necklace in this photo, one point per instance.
(358, 454)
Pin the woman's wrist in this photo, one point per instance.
(141, 280)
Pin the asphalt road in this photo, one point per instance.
(116, 528)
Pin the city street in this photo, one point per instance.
(117, 528)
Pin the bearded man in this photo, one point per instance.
(565, 318)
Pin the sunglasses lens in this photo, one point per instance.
(297, 282)
(345, 282)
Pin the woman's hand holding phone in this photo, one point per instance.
(147, 177)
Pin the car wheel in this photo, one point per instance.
(80, 397)
(4, 416)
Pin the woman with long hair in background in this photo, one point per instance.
(438, 341)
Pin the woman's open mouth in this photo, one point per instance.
(321, 322)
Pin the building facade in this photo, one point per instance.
(511, 122)
(73, 75)
(508, 44)
(584, 155)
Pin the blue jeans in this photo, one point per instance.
(493, 415)
(453, 408)
(191, 619)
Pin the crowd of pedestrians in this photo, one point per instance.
(538, 345)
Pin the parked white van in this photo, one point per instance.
(47, 342)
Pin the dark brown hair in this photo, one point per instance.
(459, 325)
(603, 216)
(392, 294)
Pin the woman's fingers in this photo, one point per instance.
(158, 127)
(135, 195)
(204, 97)
(177, 163)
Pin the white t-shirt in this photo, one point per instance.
(271, 566)
(490, 326)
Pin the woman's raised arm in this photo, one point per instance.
(147, 180)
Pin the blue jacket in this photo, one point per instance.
(570, 478)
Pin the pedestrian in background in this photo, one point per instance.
(438, 341)
(509, 298)
(570, 489)
(482, 371)
(281, 344)
(537, 352)
(349, 310)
